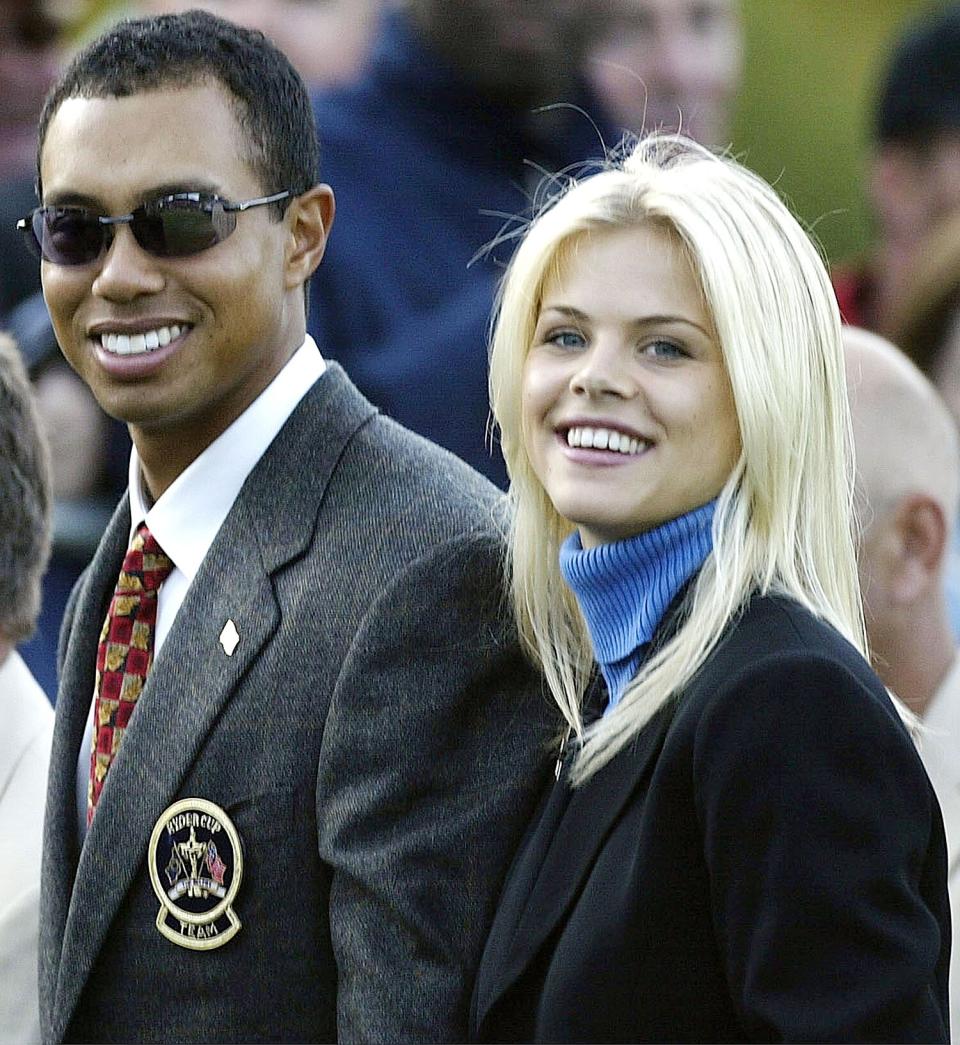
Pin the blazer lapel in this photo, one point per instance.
(60, 845)
(188, 685)
(558, 858)
(272, 522)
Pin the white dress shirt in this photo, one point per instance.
(187, 517)
(24, 760)
(940, 751)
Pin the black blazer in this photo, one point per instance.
(765, 863)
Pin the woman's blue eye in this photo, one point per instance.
(664, 349)
(566, 339)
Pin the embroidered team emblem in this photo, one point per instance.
(196, 864)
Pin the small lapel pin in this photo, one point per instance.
(229, 638)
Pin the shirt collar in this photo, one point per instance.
(943, 711)
(186, 518)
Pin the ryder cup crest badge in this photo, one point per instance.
(196, 863)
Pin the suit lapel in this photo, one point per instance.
(271, 523)
(187, 687)
(558, 858)
(60, 845)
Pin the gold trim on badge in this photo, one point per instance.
(195, 867)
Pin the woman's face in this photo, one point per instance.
(628, 414)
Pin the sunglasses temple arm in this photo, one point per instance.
(259, 202)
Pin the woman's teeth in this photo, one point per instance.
(605, 439)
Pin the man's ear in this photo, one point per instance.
(309, 218)
(922, 543)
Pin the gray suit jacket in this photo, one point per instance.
(376, 739)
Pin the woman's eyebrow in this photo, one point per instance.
(654, 319)
(568, 311)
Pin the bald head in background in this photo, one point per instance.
(908, 484)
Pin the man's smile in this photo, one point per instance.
(123, 344)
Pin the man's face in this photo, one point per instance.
(227, 313)
(674, 64)
(915, 187)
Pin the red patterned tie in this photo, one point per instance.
(125, 653)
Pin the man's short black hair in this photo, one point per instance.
(920, 94)
(170, 51)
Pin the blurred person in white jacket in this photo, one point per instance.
(24, 709)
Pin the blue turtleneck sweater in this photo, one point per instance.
(624, 588)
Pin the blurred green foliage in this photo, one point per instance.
(805, 114)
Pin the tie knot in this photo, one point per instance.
(146, 566)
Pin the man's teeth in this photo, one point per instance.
(134, 344)
(605, 439)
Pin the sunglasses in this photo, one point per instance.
(170, 227)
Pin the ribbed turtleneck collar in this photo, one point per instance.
(624, 588)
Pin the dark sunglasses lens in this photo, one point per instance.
(176, 228)
(68, 236)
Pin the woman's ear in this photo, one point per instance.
(309, 218)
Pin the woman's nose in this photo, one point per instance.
(602, 371)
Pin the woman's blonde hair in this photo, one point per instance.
(784, 519)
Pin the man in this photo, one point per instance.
(675, 65)
(326, 41)
(914, 178)
(908, 480)
(436, 149)
(25, 711)
(298, 830)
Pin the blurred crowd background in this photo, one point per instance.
(790, 86)
(802, 116)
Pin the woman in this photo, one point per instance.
(741, 843)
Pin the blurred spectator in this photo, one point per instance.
(915, 166)
(926, 325)
(26, 714)
(89, 453)
(672, 64)
(28, 64)
(908, 479)
(327, 40)
(431, 151)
